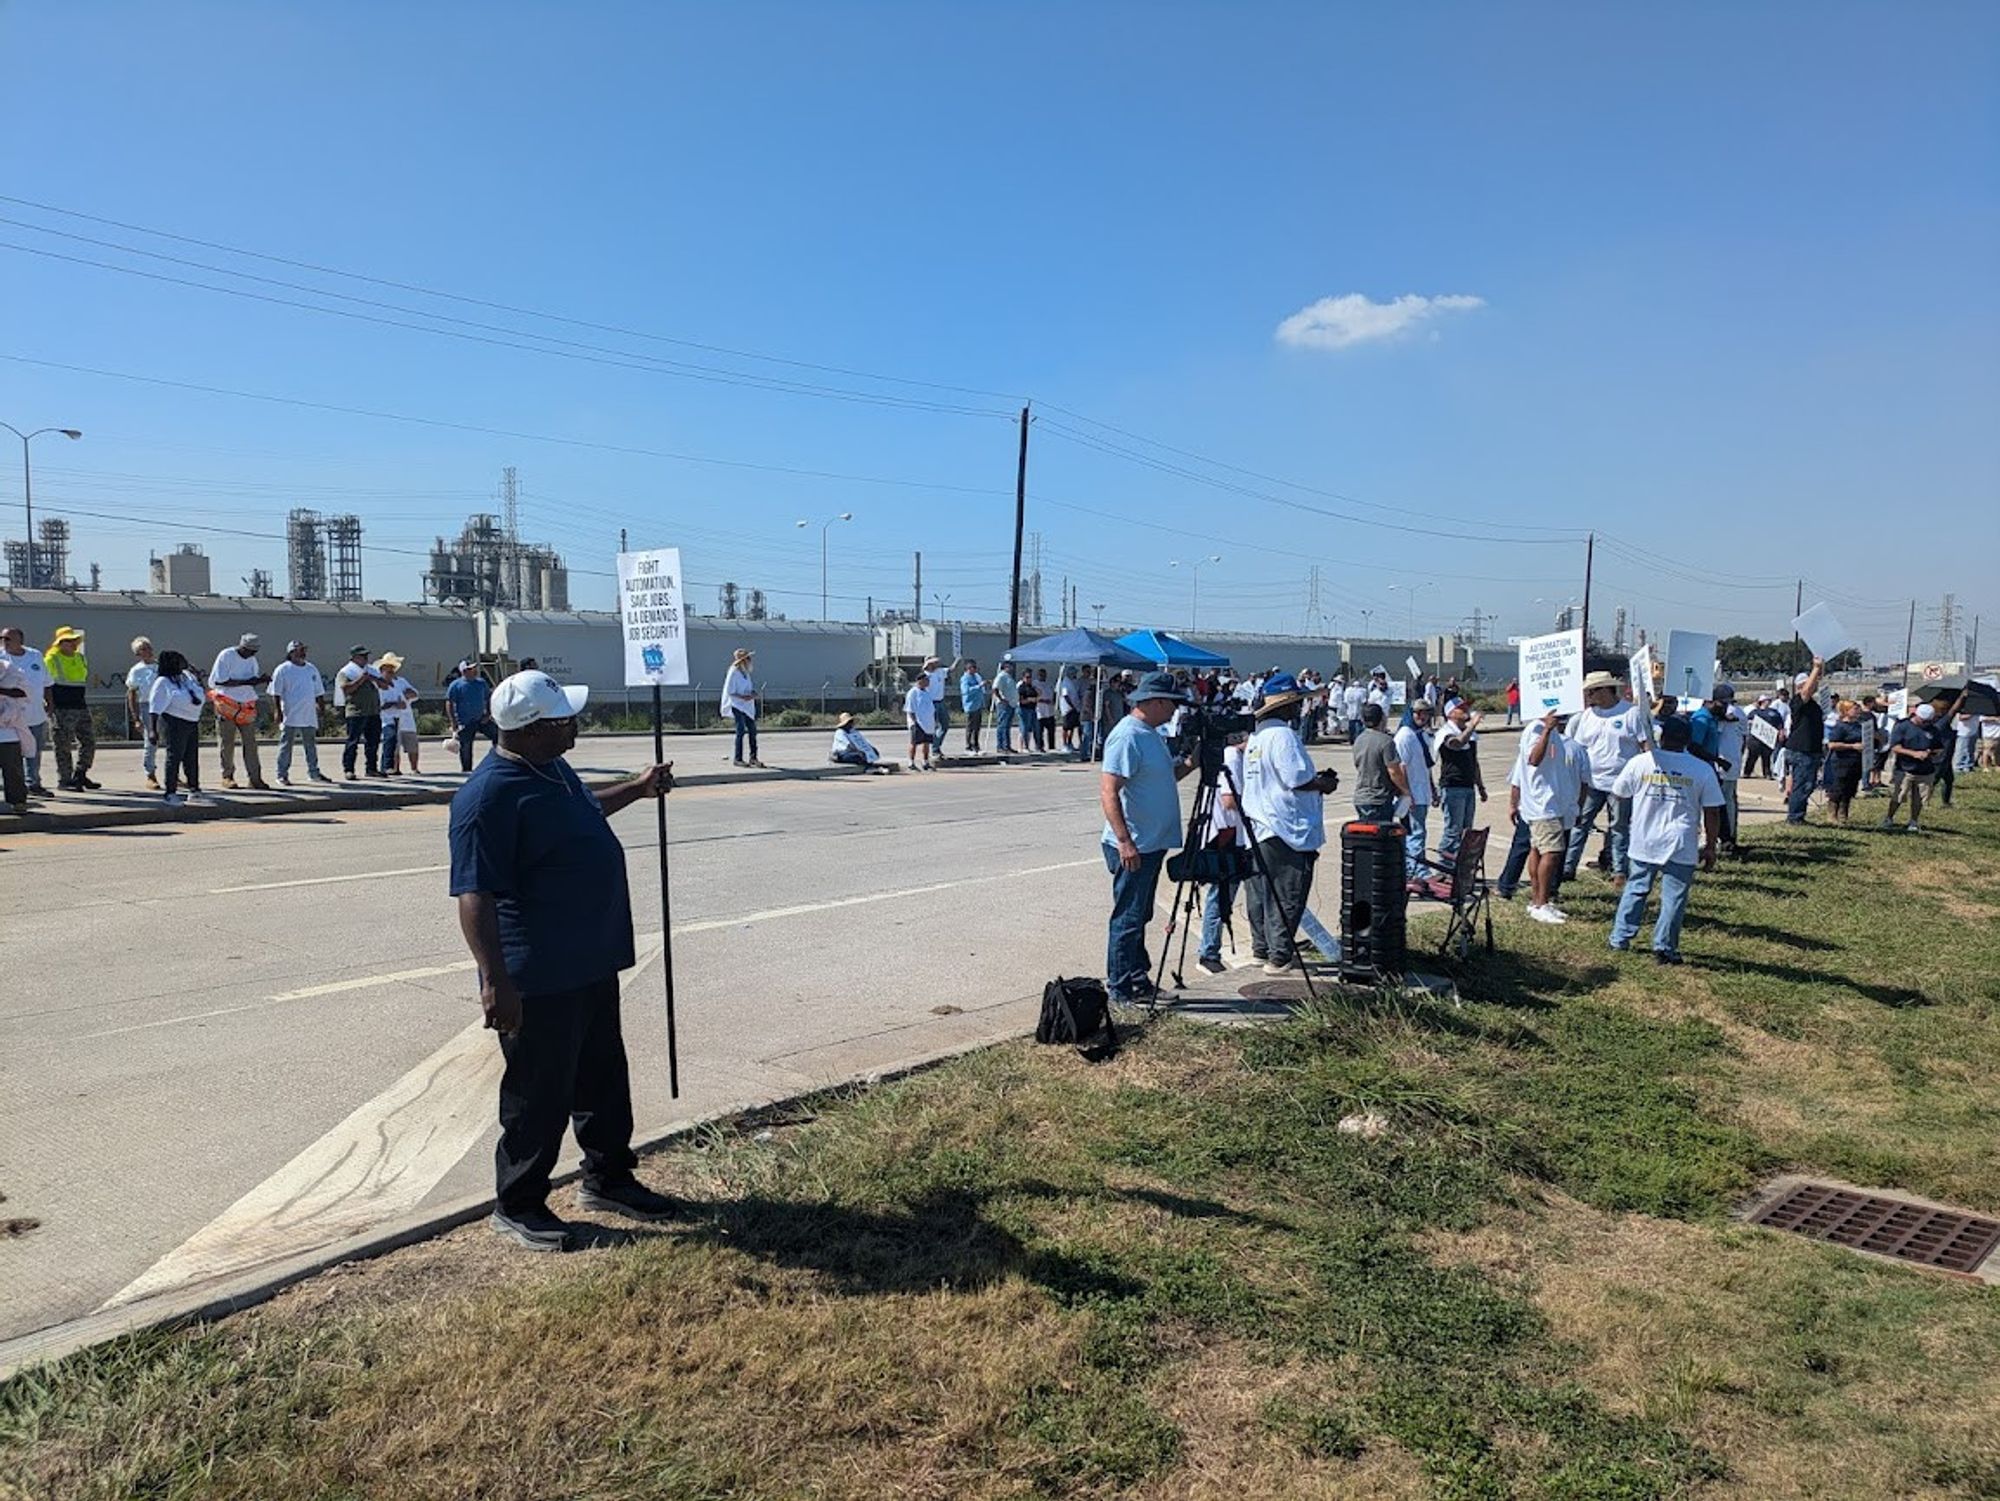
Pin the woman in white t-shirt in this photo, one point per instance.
(174, 703)
(399, 714)
(739, 701)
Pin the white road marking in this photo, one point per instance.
(465, 966)
(387, 1156)
(371, 875)
(378, 1163)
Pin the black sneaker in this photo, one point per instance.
(1661, 956)
(1212, 963)
(89, 786)
(533, 1229)
(631, 1198)
(38, 790)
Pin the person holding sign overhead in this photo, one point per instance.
(1805, 742)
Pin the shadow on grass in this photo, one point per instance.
(1895, 997)
(1767, 934)
(943, 1238)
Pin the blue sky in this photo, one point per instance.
(1719, 281)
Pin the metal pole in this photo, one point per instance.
(1589, 560)
(822, 569)
(1020, 521)
(666, 908)
(28, 500)
(1909, 641)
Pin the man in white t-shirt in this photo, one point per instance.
(13, 725)
(1413, 747)
(1352, 697)
(35, 706)
(1608, 731)
(920, 709)
(237, 676)
(1676, 816)
(299, 692)
(138, 690)
(1283, 797)
(1543, 792)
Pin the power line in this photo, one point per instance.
(498, 307)
(645, 363)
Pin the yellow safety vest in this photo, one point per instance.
(68, 668)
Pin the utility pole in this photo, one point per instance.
(1798, 609)
(1020, 521)
(621, 539)
(1909, 640)
(920, 589)
(1589, 560)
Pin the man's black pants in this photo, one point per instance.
(364, 732)
(1275, 912)
(566, 1066)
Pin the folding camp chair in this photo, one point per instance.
(1462, 883)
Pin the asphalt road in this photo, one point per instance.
(225, 1043)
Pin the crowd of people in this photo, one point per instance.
(167, 700)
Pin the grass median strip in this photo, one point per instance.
(1171, 1275)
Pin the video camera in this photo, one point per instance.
(1205, 734)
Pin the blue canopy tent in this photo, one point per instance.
(1164, 649)
(1080, 648)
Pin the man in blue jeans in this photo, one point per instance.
(1142, 821)
(1676, 816)
(467, 708)
(1805, 742)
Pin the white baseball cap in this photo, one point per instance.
(527, 697)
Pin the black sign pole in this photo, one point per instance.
(666, 905)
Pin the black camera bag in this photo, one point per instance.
(1078, 1012)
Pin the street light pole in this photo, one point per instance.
(1100, 616)
(843, 516)
(1411, 591)
(1194, 567)
(28, 485)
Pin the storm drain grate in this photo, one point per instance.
(1944, 1238)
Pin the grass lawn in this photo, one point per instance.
(1172, 1276)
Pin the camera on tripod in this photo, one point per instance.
(1205, 734)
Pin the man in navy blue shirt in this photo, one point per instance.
(544, 907)
(468, 709)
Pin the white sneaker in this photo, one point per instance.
(1545, 914)
(1556, 914)
(196, 800)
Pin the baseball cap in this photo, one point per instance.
(357, 651)
(1158, 685)
(1725, 693)
(1925, 711)
(1799, 679)
(528, 697)
(292, 646)
(248, 638)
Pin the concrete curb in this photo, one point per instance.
(209, 1301)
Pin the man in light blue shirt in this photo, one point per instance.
(1142, 821)
(1284, 797)
(972, 694)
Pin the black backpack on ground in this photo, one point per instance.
(1078, 1012)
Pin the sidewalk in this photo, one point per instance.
(700, 760)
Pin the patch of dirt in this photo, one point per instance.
(1945, 882)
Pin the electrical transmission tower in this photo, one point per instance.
(1318, 622)
(1947, 637)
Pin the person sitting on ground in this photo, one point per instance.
(1844, 760)
(1676, 816)
(920, 710)
(850, 746)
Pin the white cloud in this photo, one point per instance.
(1351, 318)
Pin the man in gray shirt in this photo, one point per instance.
(1379, 778)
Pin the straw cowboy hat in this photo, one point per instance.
(1281, 690)
(1598, 680)
(390, 660)
(845, 722)
(741, 655)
